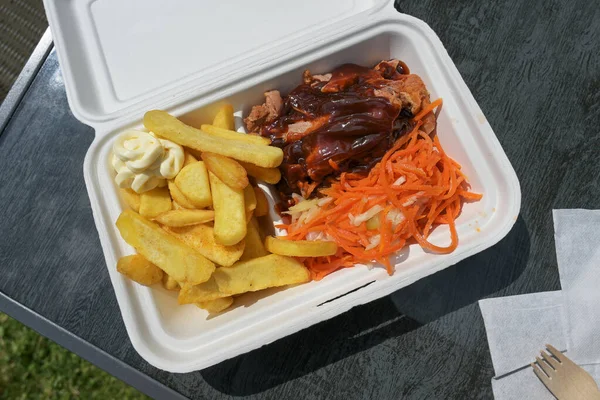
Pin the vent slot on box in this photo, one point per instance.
(345, 294)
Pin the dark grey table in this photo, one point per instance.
(533, 68)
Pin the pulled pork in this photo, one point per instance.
(343, 121)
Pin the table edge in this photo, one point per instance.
(86, 350)
(23, 81)
(37, 322)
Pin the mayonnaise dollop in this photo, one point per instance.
(144, 162)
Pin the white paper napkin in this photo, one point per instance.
(520, 385)
(523, 384)
(577, 237)
(519, 326)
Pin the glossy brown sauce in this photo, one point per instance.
(350, 128)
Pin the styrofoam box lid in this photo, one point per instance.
(118, 57)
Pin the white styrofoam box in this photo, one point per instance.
(183, 338)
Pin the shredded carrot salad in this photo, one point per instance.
(414, 188)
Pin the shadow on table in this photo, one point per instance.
(468, 281)
(369, 325)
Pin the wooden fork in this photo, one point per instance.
(563, 378)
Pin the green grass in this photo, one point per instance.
(33, 367)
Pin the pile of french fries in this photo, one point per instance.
(200, 234)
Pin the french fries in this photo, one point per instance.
(300, 248)
(189, 158)
(217, 305)
(254, 245)
(194, 153)
(174, 257)
(246, 276)
(268, 175)
(169, 283)
(202, 238)
(155, 202)
(199, 235)
(179, 198)
(206, 291)
(249, 199)
(224, 118)
(228, 170)
(262, 205)
(250, 202)
(131, 198)
(177, 206)
(139, 270)
(230, 213)
(178, 218)
(260, 273)
(165, 125)
(230, 134)
(192, 181)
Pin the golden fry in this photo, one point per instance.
(246, 276)
(155, 202)
(300, 248)
(224, 118)
(169, 127)
(131, 198)
(205, 291)
(227, 169)
(260, 273)
(262, 205)
(140, 270)
(169, 283)
(195, 153)
(178, 218)
(230, 213)
(268, 175)
(180, 261)
(178, 197)
(249, 199)
(254, 243)
(231, 134)
(202, 238)
(189, 158)
(192, 181)
(217, 305)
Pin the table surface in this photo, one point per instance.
(532, 67)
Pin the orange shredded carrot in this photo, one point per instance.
(428, 109)
(417, 186)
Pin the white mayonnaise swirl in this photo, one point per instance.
(143, 161)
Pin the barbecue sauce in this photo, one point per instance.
(347, 124)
